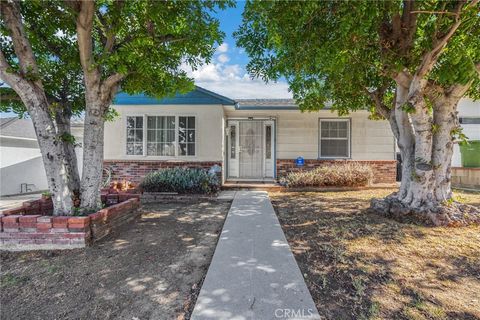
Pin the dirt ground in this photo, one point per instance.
(151, 269)
(364, 266)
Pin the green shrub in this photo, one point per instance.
(348, 174)
(181, 180)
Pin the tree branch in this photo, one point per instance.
(459, 90)
(434, 12)
(10, 12)
(85, 14)
(403, 78)
(377, 98)
(113, 80)
(431, 57)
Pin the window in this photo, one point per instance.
(268, 142)
(233, 142)
(161, 136)
(165, 136)
(334, 138)
(469, 120)
(186, 136)
(135, 135)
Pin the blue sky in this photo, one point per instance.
(226, 74)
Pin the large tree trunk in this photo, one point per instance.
(425, 194)
(405, 140)
(32, 94)
(92, 154)
(63, 122)
(99, 94)
(51, 147)
(54, 161)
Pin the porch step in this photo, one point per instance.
(252, 186)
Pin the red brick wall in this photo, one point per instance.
(22, 230)
(135, 170)
(385, 171)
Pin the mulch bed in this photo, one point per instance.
(149, 269)
(360, 265)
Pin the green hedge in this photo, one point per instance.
(348, 174)
(181, 180)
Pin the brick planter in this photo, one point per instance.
(31, 228)
(385, 171)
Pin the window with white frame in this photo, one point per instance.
(186, 136)
(165, 135)
(334, 138)
(135, 135)
(160, 136)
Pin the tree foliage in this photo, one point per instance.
(339, 51)
(52, 38)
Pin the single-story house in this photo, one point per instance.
(245, 140)
(21, 163)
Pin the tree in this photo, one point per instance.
(44, 86)
(408, 62)
(136, 45)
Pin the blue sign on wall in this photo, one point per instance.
(300, 161)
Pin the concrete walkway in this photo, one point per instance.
(253, 274)
(8, 202)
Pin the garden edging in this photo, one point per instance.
(31, 228)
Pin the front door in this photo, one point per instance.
(250, 149)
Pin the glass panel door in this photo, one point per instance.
(251, 149)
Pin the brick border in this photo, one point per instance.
(385, 171)
(24, 229)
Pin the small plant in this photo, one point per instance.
(348, 174)
(46, 194)
(181, 180)
(359, 286)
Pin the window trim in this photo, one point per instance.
(177, 154)
(349, 136)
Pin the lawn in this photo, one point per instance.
(151, 269)
(359, 265)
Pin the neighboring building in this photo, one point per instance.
(248, 139)
(469, 116)
(21, 164)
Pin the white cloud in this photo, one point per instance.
(223, 48)
(223, 58)
(232, 81)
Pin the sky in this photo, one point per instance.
(226, 74)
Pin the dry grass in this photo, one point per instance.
(364, 266)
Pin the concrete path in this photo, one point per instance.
(8, 202)
(253, 274)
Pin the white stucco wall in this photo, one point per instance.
(297, 133)
(209, 131)
(21, 162)
(467, 108)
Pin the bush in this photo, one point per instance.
(348, 174)
(181, 180)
